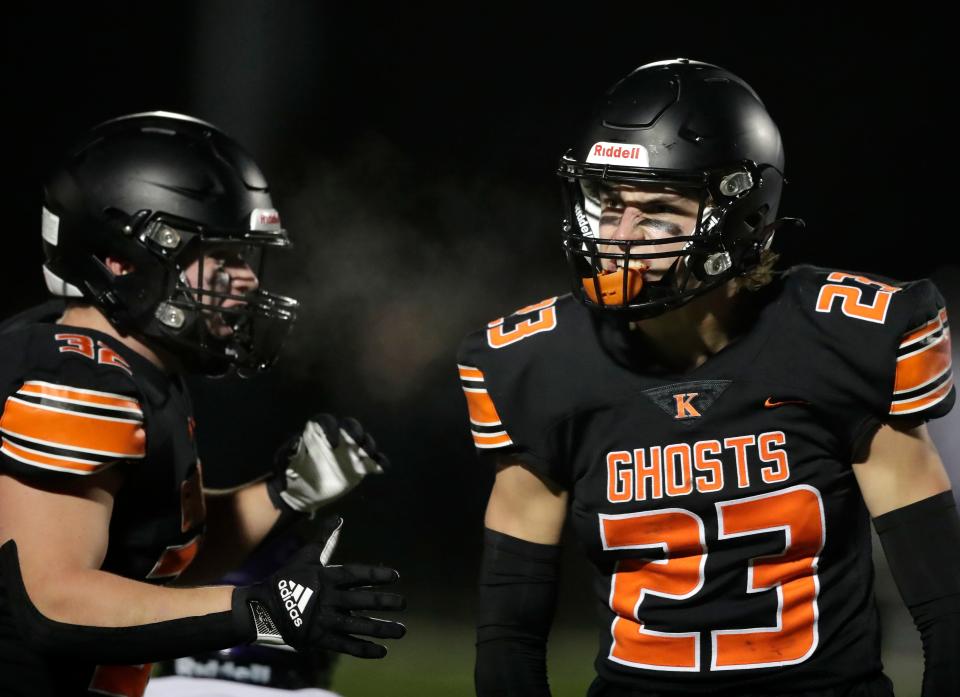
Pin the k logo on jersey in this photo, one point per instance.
(686, 402)
(685, 408)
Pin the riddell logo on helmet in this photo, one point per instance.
(582, 220)
(604, 153)
(264, 219)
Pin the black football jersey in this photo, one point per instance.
(719, 506)
(75, 402)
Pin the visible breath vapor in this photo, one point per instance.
(392, 274)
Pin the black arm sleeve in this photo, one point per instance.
(922, 545)
(518, 589)
(120, 645)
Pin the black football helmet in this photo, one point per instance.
(160, 190)
(685, 127)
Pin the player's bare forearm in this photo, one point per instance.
(94, 598)
(62, 538)
(237, 521)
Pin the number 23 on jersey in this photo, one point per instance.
(791, 637)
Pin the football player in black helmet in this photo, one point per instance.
(693, 183)
(154, 227)
(719, 434)
(137, 209)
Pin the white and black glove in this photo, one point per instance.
(323, 463)
(308, 605)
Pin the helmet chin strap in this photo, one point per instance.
(677, 279)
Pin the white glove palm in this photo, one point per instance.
(330, 458)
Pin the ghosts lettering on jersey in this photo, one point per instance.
(678, 469)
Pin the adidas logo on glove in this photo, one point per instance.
(295, 598)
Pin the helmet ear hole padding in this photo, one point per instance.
(757, 218)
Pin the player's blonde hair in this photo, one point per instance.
(760, 275)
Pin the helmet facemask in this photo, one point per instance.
(667, 264)
(214, 316)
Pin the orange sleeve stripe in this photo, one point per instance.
(94, 399)
(917, 369)
(482, 441)
(480, 406)
(933, 325)
(923, 402)
(74, 430)
(38, 459)
(470, 373)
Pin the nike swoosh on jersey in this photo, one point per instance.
(770, 404)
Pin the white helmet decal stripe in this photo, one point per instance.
(50, 227)
(57, 286)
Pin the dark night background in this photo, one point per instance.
(411, 155)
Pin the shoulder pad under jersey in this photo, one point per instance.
(883, 345)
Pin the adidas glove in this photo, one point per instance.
(309, 605)
(326, 461)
